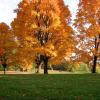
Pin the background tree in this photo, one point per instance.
(7, 44)
(88, 23)
(43, 26)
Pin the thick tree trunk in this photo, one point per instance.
(94, 64)
(4, 67)
(45, 65)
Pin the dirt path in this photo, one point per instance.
(33, 72)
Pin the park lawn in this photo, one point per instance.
(50, 87)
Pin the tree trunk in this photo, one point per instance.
(94, 64)
(45, 65)
(97, 43)
(4, 67)
(4, 70)
(37, 69)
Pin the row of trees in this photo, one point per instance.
(41, 32)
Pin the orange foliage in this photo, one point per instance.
(42, 26)
(88, 22)
(7, 43)
(88, 17)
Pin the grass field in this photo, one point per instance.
(50, 87)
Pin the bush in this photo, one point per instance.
(1, 67)
(63, 67)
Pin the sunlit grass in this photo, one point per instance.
(50, 87)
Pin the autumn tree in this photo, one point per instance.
(7, 44)
(42, 26)
(88, 22)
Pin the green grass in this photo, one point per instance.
(50, 87)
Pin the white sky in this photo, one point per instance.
(7, 7)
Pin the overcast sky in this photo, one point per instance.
(7, 7)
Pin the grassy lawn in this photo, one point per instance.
(50, 87)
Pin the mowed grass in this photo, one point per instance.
(50, 87)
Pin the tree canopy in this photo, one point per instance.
(88, 22)
(43, 28)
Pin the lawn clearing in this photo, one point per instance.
(50, 87)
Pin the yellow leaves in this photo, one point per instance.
(35, 14)
(56, 21)
(38, 15)
(50, 50)
(50, 46)
(34, 26)
(25, 4)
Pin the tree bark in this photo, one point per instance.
(94, 64)
(4, 67)
(4, 70)
(97, 43)
(45, 65)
